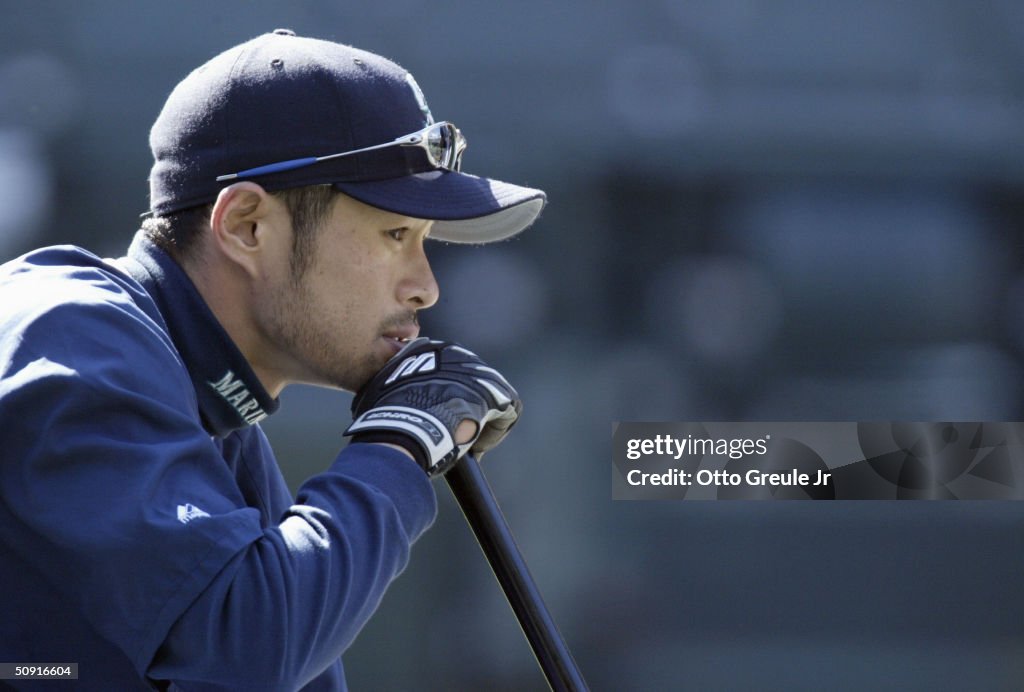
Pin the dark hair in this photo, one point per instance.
(177, 233)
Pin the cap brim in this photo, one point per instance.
(464, 208)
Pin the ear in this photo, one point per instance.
(242, 217)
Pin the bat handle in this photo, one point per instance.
(478, 504)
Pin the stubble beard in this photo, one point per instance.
(305, 335)
(323, 354)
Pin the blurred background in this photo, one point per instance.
(759, 210)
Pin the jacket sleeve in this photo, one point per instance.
(117, 496)
(290, 603)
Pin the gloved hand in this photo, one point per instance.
(420, 396)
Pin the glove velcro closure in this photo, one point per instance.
(434, 441)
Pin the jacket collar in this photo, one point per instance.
(230, 395)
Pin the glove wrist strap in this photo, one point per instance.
(396, 438)
(411, 429)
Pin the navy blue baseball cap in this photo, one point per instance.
(287, 111)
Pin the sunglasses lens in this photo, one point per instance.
(439, 146)
(460, 147)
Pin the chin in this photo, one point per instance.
(357, 376)
(348, 380)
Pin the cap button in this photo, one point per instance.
(284, 32)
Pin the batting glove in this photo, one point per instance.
(421, 395)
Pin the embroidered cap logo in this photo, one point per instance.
(420, 99)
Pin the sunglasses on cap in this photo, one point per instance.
(442, 143)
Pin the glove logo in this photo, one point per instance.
(425, 362)
(404, 417)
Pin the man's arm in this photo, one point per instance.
(287, 606)
(135, 516)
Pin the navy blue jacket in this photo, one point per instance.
(146, 532)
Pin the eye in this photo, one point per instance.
(397, 233)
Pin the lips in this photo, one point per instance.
(398, 337)
(398, 342)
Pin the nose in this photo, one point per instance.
(420, 288)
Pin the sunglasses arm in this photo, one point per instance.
(269, 168)
(405, 140)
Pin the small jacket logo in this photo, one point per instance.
(188, 512)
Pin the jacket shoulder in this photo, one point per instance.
(67, 310)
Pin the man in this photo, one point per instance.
(145, 529)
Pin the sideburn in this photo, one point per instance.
(309, 208)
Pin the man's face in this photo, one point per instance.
(351, 309)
